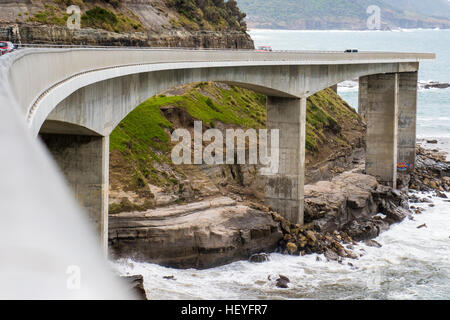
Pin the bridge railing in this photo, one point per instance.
(62, 46)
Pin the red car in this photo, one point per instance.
(6, 47)
(264, 49)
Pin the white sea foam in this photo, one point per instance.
(413, 263)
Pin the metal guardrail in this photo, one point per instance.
(62, 46)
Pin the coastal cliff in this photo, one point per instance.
(154, 23)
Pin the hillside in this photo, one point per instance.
(142, 175)
(189, 23)
(344, 14)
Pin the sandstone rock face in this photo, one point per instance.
(56, 35)
(198, 235)
(331, 204)
(354, 203)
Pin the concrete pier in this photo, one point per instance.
(84, 160)
(284, 192)
(381, 113)
(362, 96)
(407, 110)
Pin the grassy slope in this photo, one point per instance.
(142, 139)
(107, 15)
(115, 16)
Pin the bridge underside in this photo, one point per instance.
(77, 130)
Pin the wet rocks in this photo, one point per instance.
(331, 255)
(291, 247)
(435, 85)
(332, 204)
(350, 202)
(259, 258)
(351, 207)
(135, 285)
(372, 243)
(282, 282)
(365, 230)
(432, 172)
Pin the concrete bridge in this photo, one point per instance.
(74, 98)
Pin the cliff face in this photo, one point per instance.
(158, 23)
(57, 35)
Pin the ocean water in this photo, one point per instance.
(412, 264)
(433, 109)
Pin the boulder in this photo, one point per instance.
(332, 204)
(198, 235)
(331, 255)
(259, 258)
(291, 247)
(282, 282)
(372, 243)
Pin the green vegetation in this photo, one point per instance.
(142, 138)
(208, 14)
(114, 15)
(101, 18)
(50, 15)
(94, 16)
(325, 115)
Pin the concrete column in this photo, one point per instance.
(362, 96)
(407, 111)
(284, 192)
(84, 160)
(382, 123)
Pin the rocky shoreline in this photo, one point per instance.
(339, 213)
(355, 207)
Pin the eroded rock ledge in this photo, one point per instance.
(199, 235)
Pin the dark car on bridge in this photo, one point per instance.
(6, 47)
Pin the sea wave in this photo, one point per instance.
(413, 263)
